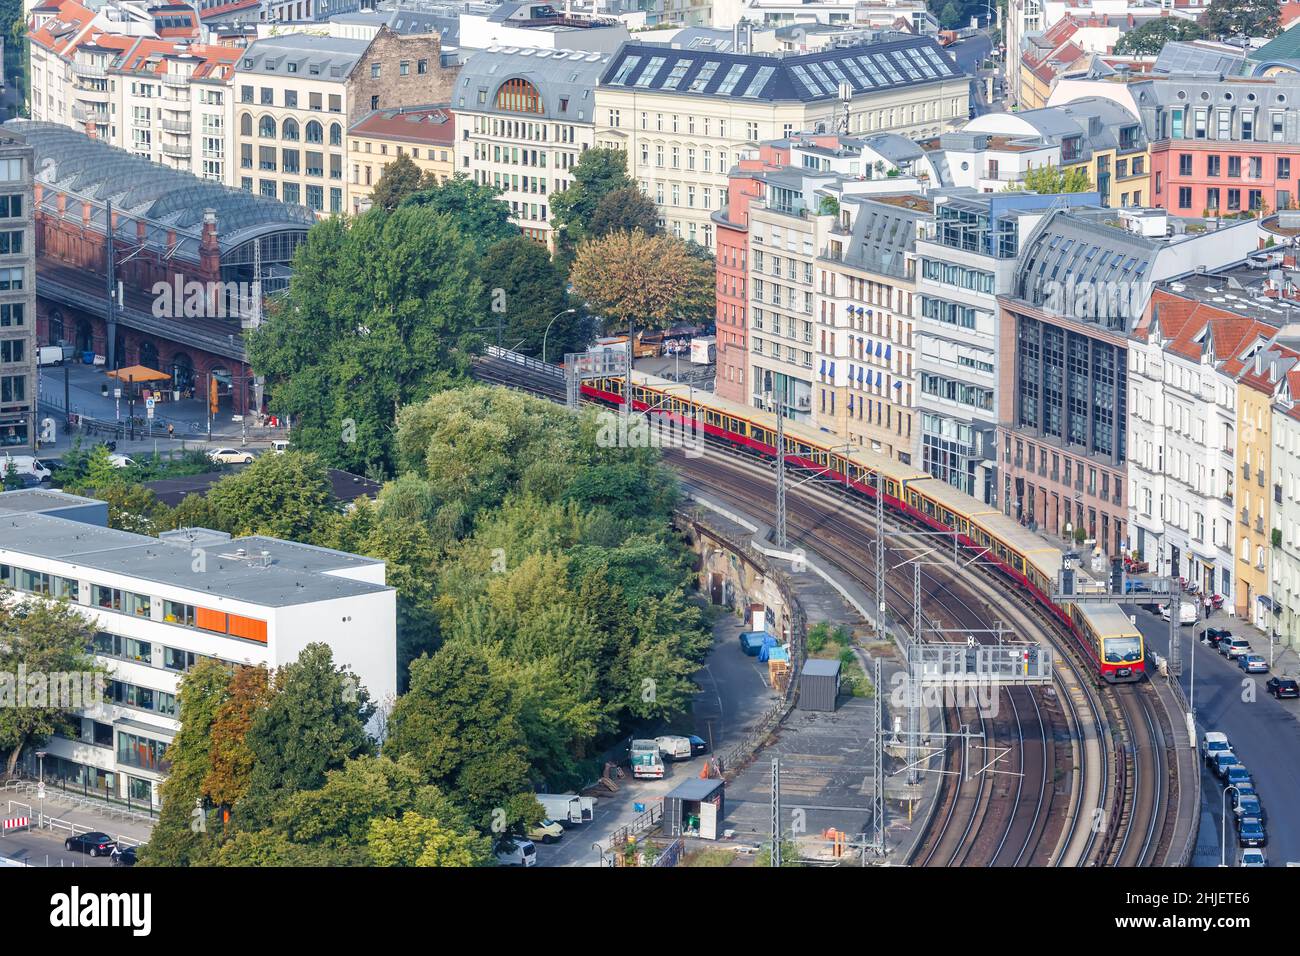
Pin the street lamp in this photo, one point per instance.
(1223, 829)
(548, 329)
(40, 786)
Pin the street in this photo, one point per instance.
(1265, 734)
(45, 848)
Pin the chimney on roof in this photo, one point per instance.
(209, 248)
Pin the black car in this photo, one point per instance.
(123, 856)
(698, 746)
(1215, 634)
(96, 844)
(21, 480)
(1281, 687)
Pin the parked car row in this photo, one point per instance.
(1247, 811)
(563, 811)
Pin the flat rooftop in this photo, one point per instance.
(1240, 289)
(289, 574)
(38, 500)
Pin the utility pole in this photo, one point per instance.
(880, 558)
(913, 679)
(780, 475)
(776, 811)
(878, 783)
(110, 325)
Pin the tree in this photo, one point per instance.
(521, 279)
(950, 17)
(401, 178)
(1150, 38)
(651, 281)
(314, 722)
(230, 760)
(45, 672)
(284, 496)
(476, 209)
(181, 836)
(378, 316)
(1050, 179)
(457, 724)
(624, 210)
(1225, 19)
(417, 840)
(597, 173)
(131, 507)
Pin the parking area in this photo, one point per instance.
(733, 696)
(44, 848)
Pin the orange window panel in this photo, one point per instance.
(248, 627)
(210, 620)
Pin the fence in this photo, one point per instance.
(66, 828)
(83, 796)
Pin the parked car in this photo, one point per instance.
(674, 747)
(548, 831)
(1187, 613)
(698, 745)
(1234, 647)
(1236, 774)
(123, 856)
(94, 843)
(1252, 663)
(20, 480)
(1221, 761)
(1253, 856)
(1250, 832)
(121, 461)
(230, 456)
(280, 446)
(1213, 635)
(1214, 743)
(1281, 687)
(1243, 790)
(1248, 805)
(516, 852)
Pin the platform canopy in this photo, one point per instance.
(139, 373)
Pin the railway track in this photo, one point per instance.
(1108, 742)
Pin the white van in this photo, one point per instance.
(517, 852)
(674, 748)
(279, 446)
(24, 465)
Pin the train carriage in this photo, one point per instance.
(1114, 639)
(1104, 630)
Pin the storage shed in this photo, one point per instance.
(819, 684)
(694, 809)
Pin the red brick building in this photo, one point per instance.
(185, 254)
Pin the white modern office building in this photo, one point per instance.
(159, 605)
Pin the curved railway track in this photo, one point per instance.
(1108, 742)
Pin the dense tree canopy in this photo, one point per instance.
(525, 292)
(631, 278)
(1242, 18)
(378, 316)
(1150, 38)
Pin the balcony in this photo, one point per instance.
(172, 79)
(182, 127)
(86, 71)
(176, 150)
(89, 115)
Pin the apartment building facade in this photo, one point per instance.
(865, 302)
(1286, 506)
(731, 226)
(1183, 428)
(685, 116)
(425, 134)
(159, 605)
(18, 346)
(524, 117)
(297, 95)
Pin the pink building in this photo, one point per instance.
(731, 230)
(1191, 176)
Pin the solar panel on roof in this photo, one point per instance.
(702, 78)
(675, 77)
(759, 81)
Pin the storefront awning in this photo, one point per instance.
(139, 373)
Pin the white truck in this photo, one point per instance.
(49, 355)
(645, 759)
(673, 747)
(568, 809)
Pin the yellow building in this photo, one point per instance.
(427, 134)
(1257, 385)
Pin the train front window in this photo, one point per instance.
(1120, 650)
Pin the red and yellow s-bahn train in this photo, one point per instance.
(1108, 637)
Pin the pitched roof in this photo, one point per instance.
(434, 125)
